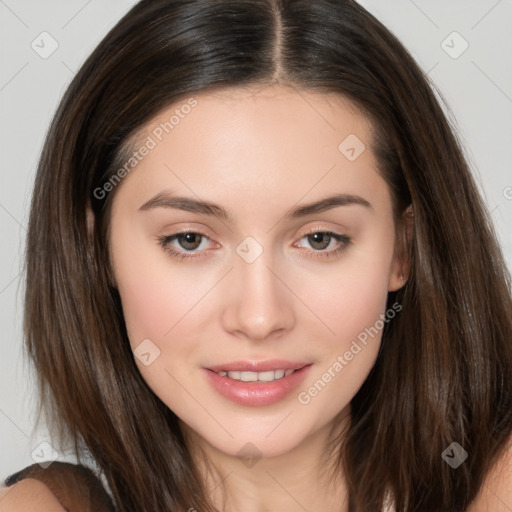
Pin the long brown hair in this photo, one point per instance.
(444, 371)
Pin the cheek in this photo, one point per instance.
(154, 297)
(357, 302)
(353, 296)
(175, 306)
(353, 305)
(160, 309)
(152, 305)
(160, 297)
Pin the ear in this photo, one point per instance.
(401, 264)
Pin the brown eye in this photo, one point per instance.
(321, 246)
(188, 244)
(319, 241)
(189, 241)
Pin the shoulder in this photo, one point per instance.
(496, 492)
(29, 494)
(59, 487)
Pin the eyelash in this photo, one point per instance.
(343, 240)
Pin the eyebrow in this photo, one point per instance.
(167, 200)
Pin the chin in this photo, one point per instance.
(254, 439)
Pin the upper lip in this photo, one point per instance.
(258, 366)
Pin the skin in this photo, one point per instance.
(258, 154)
(29, 494)
(273, 307)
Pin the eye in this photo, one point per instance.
(321, 240)
(189, 244)
(187, 240)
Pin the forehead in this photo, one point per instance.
(261, 109)
(274, 143)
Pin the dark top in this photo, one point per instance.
(76, 487)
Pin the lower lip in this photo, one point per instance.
(256, 393)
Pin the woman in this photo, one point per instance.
(259, 273)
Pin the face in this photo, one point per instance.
(266, 281)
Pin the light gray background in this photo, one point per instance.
(477, 86)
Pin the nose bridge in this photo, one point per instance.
(259, 303)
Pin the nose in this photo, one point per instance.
(258, 304)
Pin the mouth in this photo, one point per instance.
(257, 371)
(256, 383)
(249, 376)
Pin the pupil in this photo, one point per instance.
(320, 238)
(189, 239)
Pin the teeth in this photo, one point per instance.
(267, 376)
(248, 376)
(257, 376)
(279, 374)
